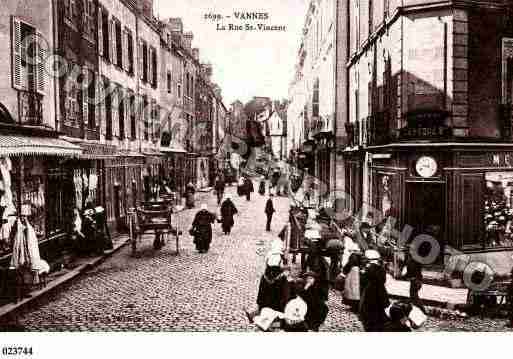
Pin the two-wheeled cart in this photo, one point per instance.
(153, 217)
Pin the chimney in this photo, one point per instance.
(195, 53)
(187, 39)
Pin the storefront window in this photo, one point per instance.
(498, 209)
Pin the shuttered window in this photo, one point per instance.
(133, 116)
(100, 31)
(28, 57)
(130, 52)
(153, 67)
(122, 113)
(118, 46)
(113, 44)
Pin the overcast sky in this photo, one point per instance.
(246, 63)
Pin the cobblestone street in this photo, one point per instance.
(159, 291)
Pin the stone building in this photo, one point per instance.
(430, 118)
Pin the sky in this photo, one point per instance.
(246, 63)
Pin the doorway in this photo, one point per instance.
(425, 211)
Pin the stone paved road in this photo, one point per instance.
(160, 291)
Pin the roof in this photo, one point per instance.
(16, 145)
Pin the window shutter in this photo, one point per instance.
(41, 54)
(102, 113)
(85, 96)
(140, 59)
(113, 47)
(124, 49)
(150, 65)
(100, 32)
(16, 54)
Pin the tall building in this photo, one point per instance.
(430, 119)
(313, 115)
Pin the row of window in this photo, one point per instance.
(86, 98)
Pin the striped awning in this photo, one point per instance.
(17, 145)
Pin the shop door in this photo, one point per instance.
(425, 210)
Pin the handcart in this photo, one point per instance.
(152, 218)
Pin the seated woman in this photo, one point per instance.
(274, 288)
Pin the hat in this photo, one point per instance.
(228, 196)
(273, 260)
(312, 234)
(204, 206)
(372, 254)
(295, 310)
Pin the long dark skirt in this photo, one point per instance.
(203, 239)
(227, 224)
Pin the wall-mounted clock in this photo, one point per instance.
(426, 166)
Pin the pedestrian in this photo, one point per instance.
(261, 188)
(219, 187)
(190, 190)
(413, 273)
(351, 270)
(240, 186)
(274, 289)
(248, 188)
(269, 212)
(202, 229)
(316, 290)
(228, 210)
(374, 299)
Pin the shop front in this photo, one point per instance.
(174, 166)
(34, 176)
(458, 193)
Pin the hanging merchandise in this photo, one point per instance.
(20, 254)
(77, 181)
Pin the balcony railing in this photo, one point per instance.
(30, 105)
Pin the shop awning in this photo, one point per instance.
(16, 145)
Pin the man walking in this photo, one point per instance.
(219, 187)
(269, 211)
(248, 188)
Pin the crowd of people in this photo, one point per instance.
(300, 303)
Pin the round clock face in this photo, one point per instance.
(426, 166)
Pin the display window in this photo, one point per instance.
(498, 210)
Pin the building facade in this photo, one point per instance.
(97, 104)
(430, 118)
(312, 115)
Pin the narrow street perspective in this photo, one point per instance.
(162, 291)
(270, 166)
